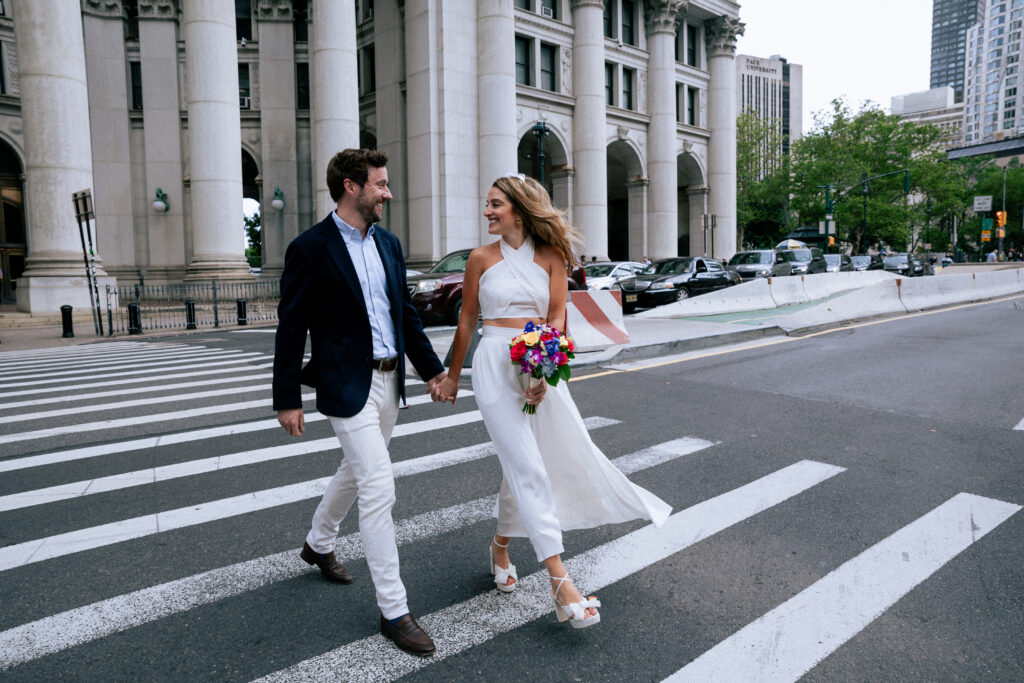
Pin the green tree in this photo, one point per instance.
(762, 182)
(254, 253)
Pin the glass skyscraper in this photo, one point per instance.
(950, 21)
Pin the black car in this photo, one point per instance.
(761, 263)
(839, 263)
(904, 264)
(805, 261)
(674, 279)
(867, 262)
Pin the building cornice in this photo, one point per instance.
(158, 9)
(104, 9)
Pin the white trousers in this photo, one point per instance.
(366, 473)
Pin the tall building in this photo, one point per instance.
(935, 107)
(992, 109)
(773, 89)
(172, 111)
(950, 21)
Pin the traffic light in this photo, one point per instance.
(831, 241)
(1000, 219)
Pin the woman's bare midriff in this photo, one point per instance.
(519, 323)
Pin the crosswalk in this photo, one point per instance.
(92, 437)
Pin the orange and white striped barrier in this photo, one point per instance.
(595, 319)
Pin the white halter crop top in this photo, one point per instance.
(515, 286)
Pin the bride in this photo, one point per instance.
(554, 477)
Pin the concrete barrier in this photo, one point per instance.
(919, 293)
(788, 290)
(595, 319)
(748, 296)
(824, 285)
(999, 283)
(879, 299)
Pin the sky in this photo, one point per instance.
(863, 49)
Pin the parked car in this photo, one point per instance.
(805, 261)
(838, 263)
(603, 275)
(904, 264)
(674, 279)
(867, 262)
(437, 293)
(761, 263)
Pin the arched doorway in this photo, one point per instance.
(251, 211)
(543, 157)
(12, 222)
(626, 210)
(692, 202)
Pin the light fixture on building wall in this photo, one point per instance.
(160, 203)
(277, 203)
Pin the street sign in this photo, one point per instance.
(983, 203)
(1000, 233)
(986, 223)
(986, 235)
(826, 227)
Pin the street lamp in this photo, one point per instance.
(160, 203)
(277, 203)
(540, 129)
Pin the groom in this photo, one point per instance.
(344, 282)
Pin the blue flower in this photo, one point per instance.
(530, 327)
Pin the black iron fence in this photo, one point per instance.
(135, 309)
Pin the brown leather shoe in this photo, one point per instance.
(329, 565)
(408, 636)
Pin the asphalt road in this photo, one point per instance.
(846, 507)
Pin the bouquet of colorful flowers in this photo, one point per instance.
(542, 352)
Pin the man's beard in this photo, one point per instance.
(368, 211)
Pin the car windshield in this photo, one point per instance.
(452, 263)
(861, 260)
(800, 255)
(833, 259)
(600, 269)
(895, 260)
(672, 267)
(746, 258)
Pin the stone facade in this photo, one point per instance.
(625, 110)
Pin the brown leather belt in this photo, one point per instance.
(384, 364)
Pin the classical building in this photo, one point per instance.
(951, 20)
(772, 88)
(935, 107)
(172, 111)
(992, 109)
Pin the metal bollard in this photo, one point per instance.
(65, 321)
(190, 315)
(241, 312)
(134, 319)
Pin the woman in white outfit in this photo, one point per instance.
(555, 478)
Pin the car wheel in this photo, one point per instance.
(681, 294)
(628, 308)
(456, 312)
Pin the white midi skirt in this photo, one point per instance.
(554, 477)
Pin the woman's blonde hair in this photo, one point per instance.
(541, 220)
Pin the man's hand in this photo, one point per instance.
(292, 420)
(442, 389)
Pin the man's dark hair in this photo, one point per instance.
(353, 164)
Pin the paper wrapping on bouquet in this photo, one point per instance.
(530, 382)
(595, 320)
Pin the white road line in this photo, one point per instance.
(90, 622)
(155, 475)
(272, 330)
(112, 356)
(1020, 426)
(138, 420)
(790, 640)
(102, 367)
(150, 368)
(249, 358)
(104, 347)
(473, 622)
(41, 549)
(126, 392)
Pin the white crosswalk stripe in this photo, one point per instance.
(150, 388)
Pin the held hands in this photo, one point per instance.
(293, 421)
(443, 388)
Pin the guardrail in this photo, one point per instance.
(134, 309)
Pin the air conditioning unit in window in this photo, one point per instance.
(243, 102)
(547, 12)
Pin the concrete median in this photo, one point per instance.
(748, 296)
(874, 301)
(824, 285)
(789, 290)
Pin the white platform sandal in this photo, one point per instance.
(502, 575)
(575, 612)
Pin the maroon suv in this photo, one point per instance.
(437, 294)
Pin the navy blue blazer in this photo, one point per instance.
(320, 293)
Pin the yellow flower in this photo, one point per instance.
(563, 342)
(531, 338)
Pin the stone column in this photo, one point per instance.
(424, 162)
(215, 140)
(58, 158)
(698, 200)
(590, 155)
(389, 41)
(334, 90)
(496, 85)
(721, 46)
(103, 25)
(161, 113)
(662, 20)
(639, 221)
(277, 132)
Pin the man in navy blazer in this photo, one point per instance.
(344, 283)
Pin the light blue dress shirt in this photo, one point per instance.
(373, 282)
